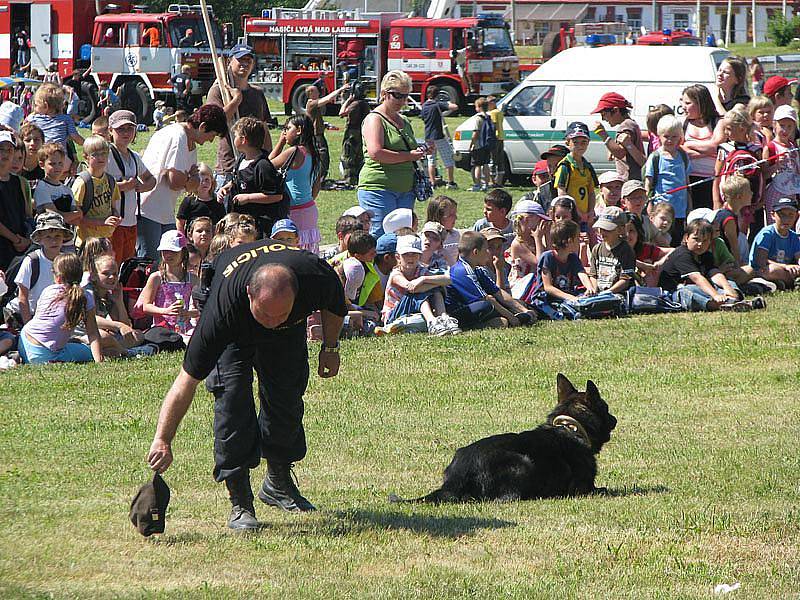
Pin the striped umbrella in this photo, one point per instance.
(12, 81)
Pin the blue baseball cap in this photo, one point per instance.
(577, 129)
(283, 225)
(784, 203)
(240, 50)
(387, 244)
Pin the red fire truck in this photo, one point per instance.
(465, 58)
(109, 37)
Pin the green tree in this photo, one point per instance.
(782, 30)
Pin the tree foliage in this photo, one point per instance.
(231, 12)
(782, 30)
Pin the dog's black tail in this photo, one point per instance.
(439, 496)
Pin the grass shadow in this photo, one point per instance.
(635, 490)
(437, 526)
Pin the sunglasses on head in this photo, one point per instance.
(397, 95)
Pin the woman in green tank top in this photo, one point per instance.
(387, 179)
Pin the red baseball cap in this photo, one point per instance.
(540, 168)
(776, 83)
(611, 100)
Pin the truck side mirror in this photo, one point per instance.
(453, 54)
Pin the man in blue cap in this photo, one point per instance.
(246, 101)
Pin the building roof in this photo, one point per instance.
(553, 12)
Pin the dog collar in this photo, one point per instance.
(574, 426)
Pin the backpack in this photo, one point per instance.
(650, 300)
(13, 269)
(487, 135)
(604, 304)
(740, 161)
(115, 154)
(88, 195)
(133, 274)
(656, 158)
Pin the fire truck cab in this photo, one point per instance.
(465, 58)
(138, 53)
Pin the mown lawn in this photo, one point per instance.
(702, 469)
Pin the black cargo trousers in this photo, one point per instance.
(242, 438)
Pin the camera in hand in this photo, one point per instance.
(200, 292)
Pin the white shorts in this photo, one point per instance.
(443, 148)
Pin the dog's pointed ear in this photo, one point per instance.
(592, 393)
(564, 387)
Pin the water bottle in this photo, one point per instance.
(180, 321)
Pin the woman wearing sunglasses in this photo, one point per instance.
(390, 148)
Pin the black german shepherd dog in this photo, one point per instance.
(555, 459)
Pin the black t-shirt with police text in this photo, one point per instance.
(226, 316)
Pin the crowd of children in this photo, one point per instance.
(581, 244)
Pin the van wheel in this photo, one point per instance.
(136, 98)
(299, 98)
(87, 102)
(517, 179)
(448, 93)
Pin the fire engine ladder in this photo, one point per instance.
(441, 9)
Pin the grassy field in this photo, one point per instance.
(702, 469)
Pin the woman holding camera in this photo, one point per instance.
(387, 180)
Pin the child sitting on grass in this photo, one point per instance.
(559, 273)
(411, 290)
(496, 207)
(610, 190)
(649, 257)
(662, 216)
(432, 236)
(690, 275)
(285, 231)
(362, 285)
(776, 250)
(612, 263)
(737, 194)
(444, 210)
(200, 234)
(532, 238)
(472, 297)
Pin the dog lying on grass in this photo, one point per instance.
(555, 459)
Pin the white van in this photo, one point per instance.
(567, 87)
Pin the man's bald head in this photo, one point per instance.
(272, 290)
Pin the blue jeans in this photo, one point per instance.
(221, 179)
(148, 236)
(692, 298)
(381, 203)
(39, 355)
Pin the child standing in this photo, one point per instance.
(473, 299)
(612, 263)
(783, 172)
(576, 177)
(48, 115)
(410, 290)
(33, 138)
(45, 338)
(132, 177)
(96, 193)
(252, 189)
(202, 204)
(13, 210)
(669, 168)
(51, 194)
(36, 271)
(761, 110)
(168, 291)
(532, 238)
(481, 145)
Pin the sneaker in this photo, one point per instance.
(738, 306)
(4, 363)
(279, 490)
(452, 185)
(243, 518)
(438, 183)
(475, 188)
(452, 325)
(760, 281)
(438, 327)
(759, 303)
(484, 188)
(387, 329)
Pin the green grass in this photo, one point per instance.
(702, 471)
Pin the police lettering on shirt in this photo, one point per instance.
(253, 253)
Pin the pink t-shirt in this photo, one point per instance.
(47, 325)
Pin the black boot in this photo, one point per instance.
(279, 490)
(243, 513)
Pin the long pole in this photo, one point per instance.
(513, 21)
(700, 34)
(784, 9)
(728, 24)
(753, 8)
(655, 17)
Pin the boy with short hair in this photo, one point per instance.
(385, 256)
(33, 138)
(669, 168)
(101, 210)
(612, 263)
(51, 194)
(472, 297)
(775, 254)
(634, 199)
(480, 147)
(690, 275)
(576, 177)
(496, 206)
(737, 194)
(100, 127)
(345, 225)
(610, 190)
(132, 177)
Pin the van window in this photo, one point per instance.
(533, 101)
(414, 37)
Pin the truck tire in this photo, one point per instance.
(551, 45)
(448, 93)
(136, 98)
(87, 102)
(299, 98)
